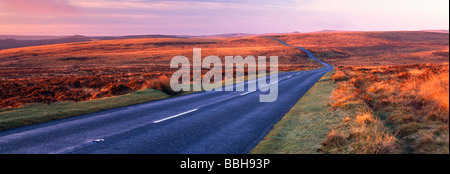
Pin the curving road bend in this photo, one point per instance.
(216, 122)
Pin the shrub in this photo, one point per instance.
(340, 76)
(117, 89)
(163, 84)
(365, 118)
(334, 139)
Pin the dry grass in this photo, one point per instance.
(365, 118)
(364, 134)
(435, 89)
(393, 109)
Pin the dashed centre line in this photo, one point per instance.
(175, 116)
(247, 93)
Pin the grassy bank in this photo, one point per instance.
(39, 113)
(305, 126)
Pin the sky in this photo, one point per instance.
(202, 17)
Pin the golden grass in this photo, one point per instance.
(392, 109)
(436, 89)
(362, 133)
(365, 118)
(373, 139)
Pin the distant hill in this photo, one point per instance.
(13, 43)
(16, 41)
(26, 37)
(148, 36)
(228, 35)
(436, 31)
(328, 31)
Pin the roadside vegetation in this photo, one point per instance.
(390, 109)
(397, 109)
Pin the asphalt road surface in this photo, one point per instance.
(217, 122)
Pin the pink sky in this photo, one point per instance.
(199, 17)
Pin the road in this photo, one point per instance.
(216, 122)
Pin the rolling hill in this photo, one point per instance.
(87, 70)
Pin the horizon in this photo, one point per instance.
(202, 17)
(218, 34)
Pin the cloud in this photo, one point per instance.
(160, 4)
(49, 7)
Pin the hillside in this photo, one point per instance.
(374, 48)
(95, 69)
(135, 54)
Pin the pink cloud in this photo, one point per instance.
(59, 7)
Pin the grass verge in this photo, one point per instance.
(306, 125)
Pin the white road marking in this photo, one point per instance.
(168, 118)
(98, 140)
(247, 93)
(289, 77)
